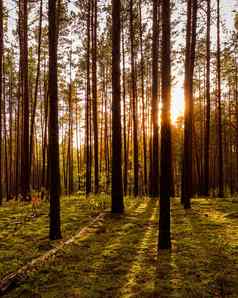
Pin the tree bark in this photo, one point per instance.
(94, 94)
(36, 84)
(155, 126)
(70, 133)
(55, 231)
(1, 91)
(117, 187)
(143, 104)
(166, 154)
(220, 139)
(88, 139)
(134, 104)
(125, 175)
(207, 128)
(187, 172)
(23, 37)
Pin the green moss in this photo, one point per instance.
(24, 237)
(118, 256)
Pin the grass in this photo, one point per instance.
(24, 237)
(118, 256)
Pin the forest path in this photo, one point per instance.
(119, 257)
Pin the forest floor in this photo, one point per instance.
(117, 256)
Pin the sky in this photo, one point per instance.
(227, 15)
(227, 8)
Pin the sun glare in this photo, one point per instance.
(177, 106)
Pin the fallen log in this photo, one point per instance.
(12, 280)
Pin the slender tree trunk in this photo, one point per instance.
(64, 158)
(23, 37)
(187, 172)
(117, 187)
(155, 126)
(1, 91)
(44, 149)
(187, 154)
(36, 83)
(207, 128)
(5, 138)
(55, 232)
(143, 104)
(220, 140)
(230, 153)
(134, 103)
(166, 154)
(106, 145)
(18, 145)
(236, 110)
(70, 134)
(129, 141)
(88, 139)
(94, 93)
(125, 176)
(101, 126)
(78, 144)
(10, 104)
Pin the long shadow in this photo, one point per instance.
(221, 256)
(27, 237)
(120, 253)
(84, 264)
(140, 276)
(204, 266)
(223, 206)
(163, 283)
(167, 277)
(112, 260)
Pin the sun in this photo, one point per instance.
(177, 103)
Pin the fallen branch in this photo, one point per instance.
(12, 280)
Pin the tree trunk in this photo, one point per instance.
(125, 175)
(166, 154)
(5, 138)
(70, 134)
(88, 139)
(207, 128)
(94, 93)
(134, 104)
(154, 105)
(36, 84)
(187, 172)
(10, 105)
(54, 178)
(18, 144)
(44, 145)
(143, 104)
(1, 91)
(220, 141)
(117, 188)
(23, 38)
(78, 145)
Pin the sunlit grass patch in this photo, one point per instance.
(118, 258)
(24, 237)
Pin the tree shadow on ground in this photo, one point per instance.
(203, 261)
(97, 265)
(119, 258)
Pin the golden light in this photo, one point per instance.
(177, 104)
